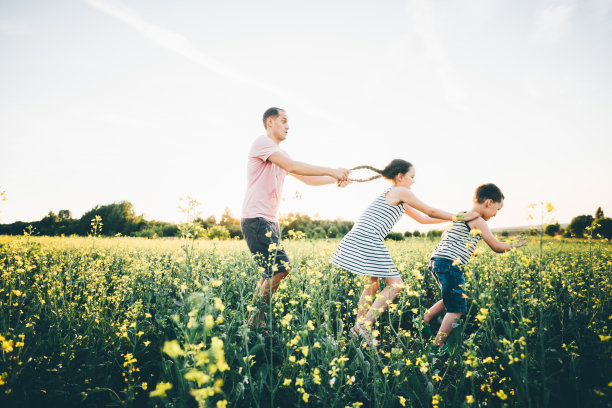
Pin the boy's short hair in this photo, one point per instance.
(271, 113)
(488, 191)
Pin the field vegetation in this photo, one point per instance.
(136, 322)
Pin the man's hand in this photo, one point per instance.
(344, 183)
(340, 174)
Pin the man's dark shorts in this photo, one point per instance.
(451, 281)
(259, 233)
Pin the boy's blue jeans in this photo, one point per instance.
(451, 281)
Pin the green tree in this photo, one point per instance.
(228, 219)
(217, 231)
(116, 218)
(602, 228)
(578, 225)
(434, 233)
(416, 233)
(407, 234)
(599, 213)
(552, 229)
(395, 236)
(64, 215)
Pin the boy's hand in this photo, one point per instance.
(466, 216)
(520, 241)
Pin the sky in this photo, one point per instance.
(150, 101)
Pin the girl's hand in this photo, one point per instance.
(463, 216)
(344, 183)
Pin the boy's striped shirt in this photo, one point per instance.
(458, 243)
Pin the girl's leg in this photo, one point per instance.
(434, 311)
(367, 296)
(392, 289)
(446, 328)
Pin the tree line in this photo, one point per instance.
(583, 226)
(120, 219)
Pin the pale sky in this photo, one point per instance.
(148, 101)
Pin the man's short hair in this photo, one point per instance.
(271, 113)
(488, 191)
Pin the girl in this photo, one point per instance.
(362, 251)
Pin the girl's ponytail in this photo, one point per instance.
(368, 179)
(394, 168)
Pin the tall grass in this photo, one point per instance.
(133, 322)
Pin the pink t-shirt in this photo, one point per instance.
(264, 181)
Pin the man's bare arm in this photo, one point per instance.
(304, 169)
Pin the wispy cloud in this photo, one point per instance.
(180, 45)
(421, 15)
(553, 22)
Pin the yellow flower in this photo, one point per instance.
(209, 322)
(501, 395)
(144, 385)
(222, 404)
(604, 338)
(402, 401)
(173, 349)
(550, 207)
(197, 376)
(469, 399)
(219, 304)
(286, 382)
(160, 389)
(305, 397)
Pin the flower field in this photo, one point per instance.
(132, 322)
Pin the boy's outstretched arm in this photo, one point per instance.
(489, 238)
(420, 218)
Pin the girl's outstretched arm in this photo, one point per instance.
(406, 196)
(420, 218)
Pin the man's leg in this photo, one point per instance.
(263, 294)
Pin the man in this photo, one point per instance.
(266, 170)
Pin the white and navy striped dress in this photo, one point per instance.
(457, 244)
(362, 251)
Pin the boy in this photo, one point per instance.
(452, 252)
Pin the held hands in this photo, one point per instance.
(341, 175)
(463, 216)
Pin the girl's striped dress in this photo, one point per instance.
(362, 251)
